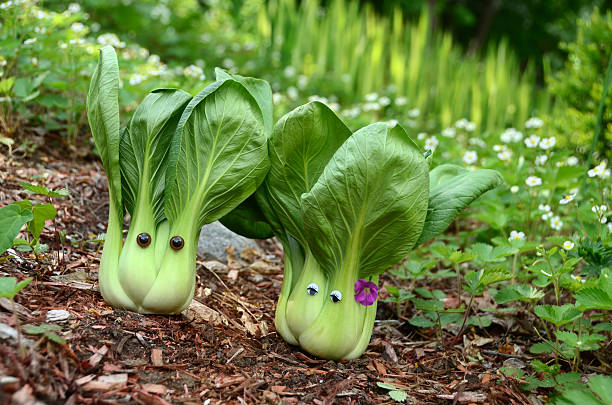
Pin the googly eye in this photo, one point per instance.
(335, 296)
(177, 243)
(312, 289)
(143, 239)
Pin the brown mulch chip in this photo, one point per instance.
(222, 350)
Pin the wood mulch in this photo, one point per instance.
(224, 348)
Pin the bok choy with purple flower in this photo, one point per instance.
(347, 206)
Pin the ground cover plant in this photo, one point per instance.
(510, 304)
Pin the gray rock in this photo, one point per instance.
(7, 333)
(214, 238)
(57, 315)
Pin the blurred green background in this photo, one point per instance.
(424, 63)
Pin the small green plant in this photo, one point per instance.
(9, 288)
(394, 393)
(33, 215)
(48, 331)
(599, 392)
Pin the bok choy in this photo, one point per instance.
(346, 206)
(180, 163)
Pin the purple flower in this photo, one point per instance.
(366, 292)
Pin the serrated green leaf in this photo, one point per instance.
(452, 189)
(493, 274)
(479, 321)
(558, 315)
(541, 347)
(12, 218)
(428, 305)
(421, 322)
(593, 298)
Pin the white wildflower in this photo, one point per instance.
(532, 141)
(136, 79)
(556, 223)
(504, 155)
(547, 216)
(371, 107)
(401, 101)
(582, 280)
(470, 126)
(289, 71)
(194, 71)
(461, 123)
(477, 142)
(548, 143)
(534, 122)
(277, 98)
(292, 93)
(113, 40)
(448, 132)
(540, 160)
(572, 161)
(77, 27)
(533, 181)
(421, 136)
(514, 189)
(384, 101)
(371, 97)
(228, 63)
(511, 135)
(74, 8)
(567, 199)
(431, 143)
(516, 235)
(544, 207)
(30, 41)
(470, 157)
(302, 82)
(599, 209)
(413, 113)
(568, 245)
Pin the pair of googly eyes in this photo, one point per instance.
(313, 289)
(144, 240)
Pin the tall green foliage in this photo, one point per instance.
(580, 85)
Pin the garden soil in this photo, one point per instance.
(224, 348)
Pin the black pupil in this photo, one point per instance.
(144, 239)
(176, 242)
(334, 298)
(311, 291)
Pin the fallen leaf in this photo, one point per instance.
(156, 357)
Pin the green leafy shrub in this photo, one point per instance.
(579, 85)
